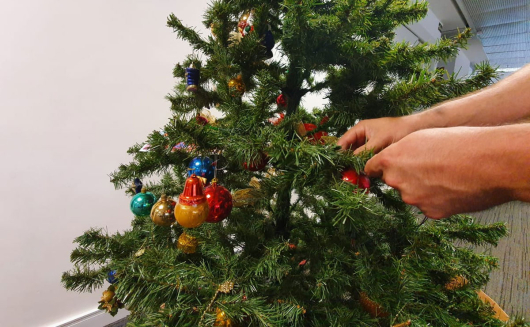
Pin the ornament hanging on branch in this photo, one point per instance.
(181, 146)
(205, 117)
(202, 167)
(236, 86)
(315, 137)
(108, 295)
(109, 302)
(351, 176)
(268, 43)
(221, 319)
(219, 200)
(162, 213)
(234, 38)
(145, 148)
(187, 244)
(258, 164)
(281, 100)
(192, 78)
(245, 25)
(246, 197)
(111, 277)
(277, 120)
(137, 185)
(192, 209)
(142, 203)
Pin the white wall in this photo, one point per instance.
(80, 81)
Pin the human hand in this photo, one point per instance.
(378, 133)
(446, 171)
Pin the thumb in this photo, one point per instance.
(373, 167)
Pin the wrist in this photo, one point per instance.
(419, 121)
(509, 154)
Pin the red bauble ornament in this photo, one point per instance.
(351, 176)
(316, 137)
(201, 120)
(364, 182)
(310, 127)
(257, 165)
(281, 100)
(219, 200)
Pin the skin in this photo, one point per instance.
(455, 157)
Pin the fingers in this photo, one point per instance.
(353, 138)
(370, 145)
(373, 167)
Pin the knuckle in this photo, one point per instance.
(384, 159)
(408, 199)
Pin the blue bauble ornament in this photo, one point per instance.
(142, 203)
(111, 277)
(202, 167)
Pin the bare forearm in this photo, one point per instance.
(505, 102)
(510, 148)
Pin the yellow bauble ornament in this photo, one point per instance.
(187, 244)
(236, 86)
(192, 209)
(107, 296)
(162, 212)
(221, 319)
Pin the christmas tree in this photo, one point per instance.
(273, 225)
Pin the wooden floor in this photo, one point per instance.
(510, 284)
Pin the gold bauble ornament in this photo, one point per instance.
(192, 209)
(245, 197)
(187, 244)
(236, 86)
(162, 212)
(108, 295)
(221, 319)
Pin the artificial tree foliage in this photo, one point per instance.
(308, 246)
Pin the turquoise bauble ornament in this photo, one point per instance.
(142, 203)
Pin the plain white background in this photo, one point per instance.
(80, 82)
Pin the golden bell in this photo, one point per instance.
(192, 209)
(162, 212)
(187, 244)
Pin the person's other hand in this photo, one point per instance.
(445, 171)
(377, 133)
